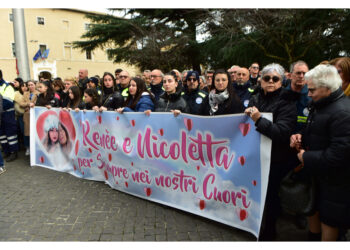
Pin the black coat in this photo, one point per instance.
(281, 103)
(194, 99)
(170, 102)
(326, 140)
(225, 108)
(111, 99)
(51, 100)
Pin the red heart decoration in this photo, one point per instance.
(133, 123)
(117, 118)
(241, 160)
(201, 204)
(75, 168)
(198, 167)
(161, 131)
(132, 164)
(126, 184)
(90, 150)
(106, 175)
(42, 159)
(77, 147)
(188, 123)
(110, 157)
(245, 128)
(67, 122)
(148, 191)
(99, 118)
(243, 214)
(254, 182)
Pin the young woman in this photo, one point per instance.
(20, 104)
(139, 98)
(91, 99)
(50, 141)
(46, 97)
(68, 82)
(58, 87)
(171, 100)
(74, 97)
(64, 141)
(342, 65)
(222, 100)
(110, 99)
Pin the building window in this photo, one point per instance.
(42, 48)
(88, 54)
(13, 47)
(68, 52)
(40, 20)
(11, 17)
(109, 56)
(65, 24)
(87, 26)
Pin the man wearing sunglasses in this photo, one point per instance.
(124, 79)
(157, 83)
(254, 73)
(192, 93)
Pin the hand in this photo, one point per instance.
(84, 110)
(95, 108)
(176, 112)
(295, 141)
(300, 155)
(147, 112)
(77, 110)
(69, 109)
(102, 109)
(31, 105)
(253, 112)
(120, 110)
(48, 106)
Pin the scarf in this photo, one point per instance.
(347, 90)
(216, 99)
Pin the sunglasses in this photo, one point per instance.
(268, 78)
(192, 79)
(123, 76)
(254, 67)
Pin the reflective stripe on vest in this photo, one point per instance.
(302, 119)
(125, 92)
(202, 94)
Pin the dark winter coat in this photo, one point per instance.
(326, 140)
(283, 108)
(157, 90)
(194, 99)
(52, 101)
(170, 102)
(244, 92)
(225, 108)
(111, 99)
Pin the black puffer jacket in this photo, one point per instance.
(281, 103)
(194, 99)
(225, 108)
(326, 140)
(51, 100)
(170, 102)
(111, 99)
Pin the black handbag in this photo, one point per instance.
(297, 192)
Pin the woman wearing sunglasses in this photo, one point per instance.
(272, 98)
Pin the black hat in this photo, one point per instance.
(94, 80)
(192, 73)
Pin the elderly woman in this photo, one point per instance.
(325, 144)
(272, 98)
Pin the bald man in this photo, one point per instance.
(83, 80)
(242, 86)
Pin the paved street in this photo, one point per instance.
(37, 204)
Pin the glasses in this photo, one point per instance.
(255, 67)
(268, 78)
(123, 76)
(311, 90)
(154, 76)
(233, 72)
(191, 79)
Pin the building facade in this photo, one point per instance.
(52, 31)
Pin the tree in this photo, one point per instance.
(151, 38)
(279, 35)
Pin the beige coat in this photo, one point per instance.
(26, 117)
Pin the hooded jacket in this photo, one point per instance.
(145, 103)
(170, 102)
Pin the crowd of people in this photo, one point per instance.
(310, 126)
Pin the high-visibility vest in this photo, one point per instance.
(7, 92)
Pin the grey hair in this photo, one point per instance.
(273, 67)
(324, 76)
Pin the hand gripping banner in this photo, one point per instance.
(215, 167)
